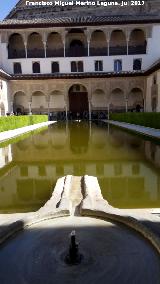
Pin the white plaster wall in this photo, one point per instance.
(65, 63)
(153, 54)
(4, 95)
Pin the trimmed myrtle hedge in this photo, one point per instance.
(149, 119)
(13, 122)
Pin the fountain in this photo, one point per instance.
(73, 257)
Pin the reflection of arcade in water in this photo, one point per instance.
(30, 168)
(78, 142)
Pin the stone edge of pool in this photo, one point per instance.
(6, 135)
(91, 204)
(147, 131)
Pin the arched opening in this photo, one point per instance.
(98, 44)
(77, 48)
(118, 44)
(117, 101)
(77, 66)
(2, 109)
(56, 101)
(135, 100)
(78, 101)
(35, 47)
(137, 42)
(99, 104)
(20, 103)
(16, 48)
(137, 64)
(76, 44)
(57, 105)
(39, 103)
(54, 47)
(117, 65)
(55, 67)
(36, 67)
(17, 69)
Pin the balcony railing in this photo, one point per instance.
(55, 52)
(35, 53)
(138, 49)
(77, 52)
(117, 50)
(98, 51)
(13, 53)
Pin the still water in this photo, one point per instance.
(127, 166)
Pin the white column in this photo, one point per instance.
(66, 113)
(108, 108)
(126, 103)
(90, 110)
(108, 42)
(64, 46)
(25, 45)
(45, 51)
(127, 46)
(30, 107)
(88, 41)
(48, 108)
(11, 107)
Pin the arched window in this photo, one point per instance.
(98, 65)
(80, 66)
(55, 67)
(36, 67)
(17, 68)
(137, 64)
(77, 66)
(73, 66)
(118, 65)
(77, 48)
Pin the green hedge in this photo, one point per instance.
(149, 119)
(13, 122)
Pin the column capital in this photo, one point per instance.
(88, 34)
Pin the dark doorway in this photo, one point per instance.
(77, 48)
(78, 101)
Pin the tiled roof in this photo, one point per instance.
(4, 74)
(81, 20)
(76, 75)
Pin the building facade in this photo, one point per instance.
(80, 60)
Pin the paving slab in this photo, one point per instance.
(148, 131)
(5, 135)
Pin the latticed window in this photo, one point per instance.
(98, 66)
(77, 66)
(117, 65)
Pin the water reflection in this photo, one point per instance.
(79, 142)
(127, 166)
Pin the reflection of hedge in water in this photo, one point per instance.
(13, 122)
(146, 119)
(21, 137)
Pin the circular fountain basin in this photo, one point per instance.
(111, 254)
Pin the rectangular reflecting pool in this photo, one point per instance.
(126, 165)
